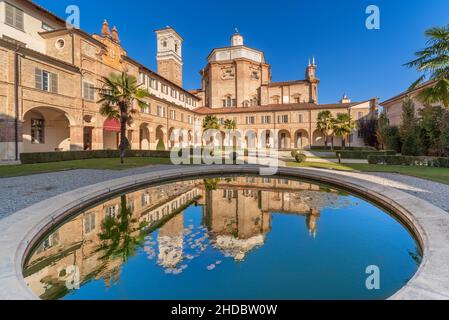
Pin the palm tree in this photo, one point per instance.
(117, 96)
(230, 125)
(343, 127)
(211, 123)
(433, 63)
(121, 236)
(325, 124)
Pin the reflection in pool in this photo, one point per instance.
(231, 238)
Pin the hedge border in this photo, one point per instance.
(45, 157)
(409, 161)
(363, 155)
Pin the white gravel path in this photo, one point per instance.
(20, 192)
(17, 193)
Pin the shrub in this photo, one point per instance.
(410, 146)
(160, 145)
(43, 157)
(294, 153)
(393, 139)
(300, 157)
(329, 148)
(363, 155)
(409, 161)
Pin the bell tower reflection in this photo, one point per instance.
(312, 222)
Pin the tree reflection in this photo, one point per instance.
(121, 236)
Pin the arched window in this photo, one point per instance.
(228, 102)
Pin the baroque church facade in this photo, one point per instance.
(49, 74)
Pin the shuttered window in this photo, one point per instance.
(89, 91)
(46, 81)
(13, 16)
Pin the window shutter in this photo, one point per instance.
(9, 14)
(19, 18)
(54, 83)
(38, 78)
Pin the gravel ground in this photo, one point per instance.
(20, 192)
(433, 192)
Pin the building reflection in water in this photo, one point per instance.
(236, 218)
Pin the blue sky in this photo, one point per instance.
(351, 59)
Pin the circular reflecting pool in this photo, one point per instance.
(239, 237)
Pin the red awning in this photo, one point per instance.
(111, 125)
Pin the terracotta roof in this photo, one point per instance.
(277, 107)
(78, 31)
(159, 76)
(408, 92)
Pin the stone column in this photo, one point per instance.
(76, 138)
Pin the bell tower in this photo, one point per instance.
(169, 54)
(313, 81)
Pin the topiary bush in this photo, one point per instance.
(294, 153)
(300, 157)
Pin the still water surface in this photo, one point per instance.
(230, 238)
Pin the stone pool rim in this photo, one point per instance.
(428, 224)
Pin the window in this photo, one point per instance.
(146, 109)
(229, 102)
(60, 44)
(146, 199)
(47, 27)
(14, 17)
(266, 119)
(88, 91)
(173, 114)
(182, 117)
(250, 120)
(89, 222)
(283, 119)
(46, 81)
(153, 84)
(301, 118)
(37, 131)
(360, 115)
(160, 111)
(112, 211)
(174, 93)
(182, 97)
(164, 89)
(49, 242)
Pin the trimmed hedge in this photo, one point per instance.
(409, 161)
(300, 157)
(363, 155)
(329, 148)
(44, 157)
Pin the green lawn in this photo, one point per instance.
(434, 174)
(112, 164)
